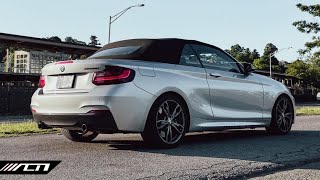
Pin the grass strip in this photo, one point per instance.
(8, 129)
(308, 111)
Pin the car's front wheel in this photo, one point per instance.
(282, 117)
(78, 136)
(167, 122)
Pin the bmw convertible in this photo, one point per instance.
(161, 88)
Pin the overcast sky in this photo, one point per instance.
(250, 23)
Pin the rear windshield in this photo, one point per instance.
(117, 51)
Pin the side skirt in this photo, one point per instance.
(197, 124)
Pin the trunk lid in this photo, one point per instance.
(72, 76)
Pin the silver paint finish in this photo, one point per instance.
(234, 95)
(222, 99)
(271, 91)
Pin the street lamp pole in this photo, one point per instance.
(115, 17)
(270, 58)
(109, 29)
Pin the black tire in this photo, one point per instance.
(77, 136)
(281, 121)
(156, 136)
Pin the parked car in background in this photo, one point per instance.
(318, 96)
(161, 88)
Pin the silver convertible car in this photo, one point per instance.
(161, 88)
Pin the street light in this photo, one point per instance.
(272, 54)
(115, 17)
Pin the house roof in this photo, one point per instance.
(12, 40)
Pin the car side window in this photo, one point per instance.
(213, 58)
(188, 57)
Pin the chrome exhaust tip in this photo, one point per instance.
(84, 128)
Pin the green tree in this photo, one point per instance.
(94, 41)
(54, 38)
(263, 63)
(260, 64)
(243, 54)
(283, 66)
(310, 28)
(235, 50)
(254, 55)
(308, 71)
(298, 69)
(73, 41)
(70, 40)
(270, 49)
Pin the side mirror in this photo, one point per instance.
(247, 68)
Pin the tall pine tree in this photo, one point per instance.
(313, 28)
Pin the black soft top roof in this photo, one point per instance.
(157, 50)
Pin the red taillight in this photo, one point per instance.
(64, 62)
(113, 75)
(42, 81)
(33, 111)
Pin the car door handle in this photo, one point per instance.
(215, 75)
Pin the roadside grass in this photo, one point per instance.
(308, 110)
(22, 128)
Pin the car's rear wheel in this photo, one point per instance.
(282, 117)
(78, 136)
(167, 122)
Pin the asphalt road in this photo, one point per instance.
(235, 154)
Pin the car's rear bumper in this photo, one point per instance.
(100, 121)
(128, 104)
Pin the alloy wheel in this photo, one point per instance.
(284, 115)
(170, 122)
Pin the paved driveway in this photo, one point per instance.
(235, 154)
